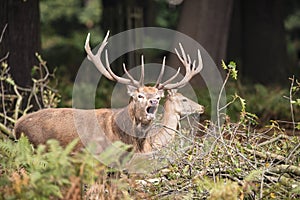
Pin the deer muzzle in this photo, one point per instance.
(152, 108)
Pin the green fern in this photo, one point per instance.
(49, 168)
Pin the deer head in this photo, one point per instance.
(144, 99)
(182, 105)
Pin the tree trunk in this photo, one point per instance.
(207, 21)
(22, 37)
(263, 37)
(257, 40)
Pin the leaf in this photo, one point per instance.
(298, 126)
(272, 195)
(297, 102)
(232, 69)
(70, 147)
(243, 103)
(232, 65)
(254, 175)
(10, 81)
(224, 65)
(115, 153)
(234, 74)
(295, 88)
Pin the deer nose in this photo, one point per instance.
(153, 102)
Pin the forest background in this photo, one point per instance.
(262, 37)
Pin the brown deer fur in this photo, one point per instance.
(129, 124)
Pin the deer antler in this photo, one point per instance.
(161, 85)
(108, 73)
(190, 70)
(106, 70)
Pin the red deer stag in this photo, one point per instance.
(130, 124)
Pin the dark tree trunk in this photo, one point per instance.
(264, 46)
(257, 40)
(121, 15)
(22, 37)
(207, 21)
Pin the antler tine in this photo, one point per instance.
(162, 85)
(190, 68)
(142, 72)
(119, 79)
(133, 81)
(161, 72)
(106, 70)
(200, 64)
(96, 59)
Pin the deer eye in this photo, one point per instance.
(184, 100)
(140, 96)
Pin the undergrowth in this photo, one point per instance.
(52, 172)
(235, 160)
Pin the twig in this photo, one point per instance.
(7, 117)
(5, 130)
(292, 152)
(3, 31)
(18, 103)
(5, 57)
(219, 99)
(3, 73)
(273, 140)
(262, 184)
(3, 103)
(291, 104)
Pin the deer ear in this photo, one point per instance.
(172, 92)
(131, 90)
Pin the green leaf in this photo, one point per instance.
(232, 65)
(70, 147)
(117, 153)
(234, 73)
(224, 65)
(10, 81)
(4, 65)
(243, 103)
(296, 102)
(295, 88)
(298, 126)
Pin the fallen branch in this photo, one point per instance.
(265, 155)
(5, 130)
(272, 140)
(288, 182)
(279, 169)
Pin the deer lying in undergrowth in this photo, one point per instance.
(130, 124)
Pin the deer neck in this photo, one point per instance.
(171, 117)
(167, 132)
(130, 129)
